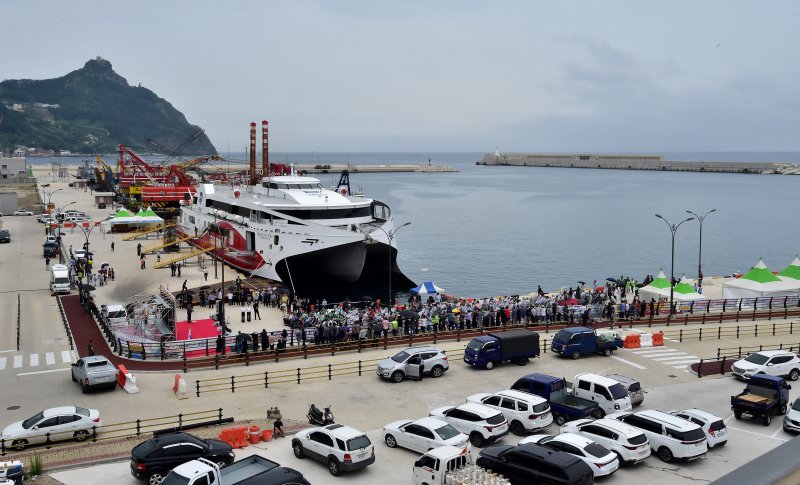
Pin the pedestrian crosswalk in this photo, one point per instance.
(34, 361)
(668, 356)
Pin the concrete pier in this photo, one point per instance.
(634, 162)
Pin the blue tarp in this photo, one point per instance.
(427, 288)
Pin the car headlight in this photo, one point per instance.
(231, 454)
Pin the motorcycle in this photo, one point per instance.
(315, 416)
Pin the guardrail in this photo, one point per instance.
(739, 331)
(722, 363)
(65, 322)
(127, 429)
(19, 320)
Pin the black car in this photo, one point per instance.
(5, 236)
(153, 459)
(532, 463)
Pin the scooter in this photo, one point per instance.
(315, 416)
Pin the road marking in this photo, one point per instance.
(671, 340)
(679, 355)
(681, 364)
(2, 363)
(728, 418)
(65, 356)
(17, 361)
(634, 364)
(50, 358)
(7, 351)
(671, 360)
(34, 360)
(43, 372)
(758, 434)
(655, 351)
(773, 435)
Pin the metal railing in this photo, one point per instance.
(19, 320)
(67, 329)
(126, 429)
(723, 361)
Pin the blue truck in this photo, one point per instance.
(491, 349)
(564, 406)
(764, 396)
(576, 342)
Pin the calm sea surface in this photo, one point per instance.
(504, 230)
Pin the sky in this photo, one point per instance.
(438, 75)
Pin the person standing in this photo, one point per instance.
(141, 262)
(220, 344)
(179, 269)
(243, 311)
(139, 249)
(264, 339)
(112, 246)
(189, 309)
(248, 309)
(205, 273)
(255, 310)
(90, 348)
(46, 263)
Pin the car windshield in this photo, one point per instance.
(541, 407)
(496, 419)
(447, 431)
(475, 345)
(116, 314)
(175, 479)
(757, 359)
(28, 423)
(82, 411)
(61, 281)
(617, 391)
(401, 357)
(690, 435)
(596, 450)
(358, 443)
(562, 336)
(796, 405)
(99, 363)
(716, 425)
(635, 387)
(639, 439)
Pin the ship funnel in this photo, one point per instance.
(265, 148)
(252, 151)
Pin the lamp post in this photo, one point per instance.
(390, 236)
(49, 195)
(700, 219)
(673, 228)
(58, 235)
(218, 230)
(86, 232)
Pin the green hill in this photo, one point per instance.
(92, 110)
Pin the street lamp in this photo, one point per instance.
(673, 228)
(216, 228)
(700, 256)
(50, 194)
(389, 237)
(58, 236)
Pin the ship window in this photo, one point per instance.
(277, 238)
(191, 219)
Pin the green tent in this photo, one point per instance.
(760, 274)
(149, 213)
(661, 281)
(792, 271)
(139, 214)
(658, 288)
(685, 291)
(123, 213)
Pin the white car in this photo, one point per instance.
(424, 434)
(524, 412)
(791, 421)
(80, 254)
(713, 426)
(671, 437)
(482, 424)
(341, 447)
(23, 213)
(54, 424)
(602, 461)
(630, 444)
(51, 239)
(772, 362)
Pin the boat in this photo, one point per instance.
(317, 241)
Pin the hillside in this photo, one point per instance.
(92, 110)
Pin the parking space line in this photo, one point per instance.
(654, 351)
(65, 356)
(50, 358)
(43, 371)
(7, 351)
(2, 363)
(773, 435)
(758, 434)
(34, 360)
(678, 356)
(17, 361)
(633, 364)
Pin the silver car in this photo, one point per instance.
(412, 361)
(54, 424)
(632, 386)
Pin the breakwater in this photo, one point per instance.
(376, 168)
(634, 162)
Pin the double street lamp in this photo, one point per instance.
(673, 228)
(59, 217)
(49, 195)
(700, 219)
(390, 236)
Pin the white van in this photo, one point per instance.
(59, 278)
(670, 437)
(115, 314)
(610, 395)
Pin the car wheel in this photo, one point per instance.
(155, 478)
(576, 355)
(665, 454)
(73, 377)
(794, 375)
(522, 361)
(783, 409)
(298, 450)
(222, 463)
(437, 371)
(390, 441)
(333, 467)
(606, 352)
(476, 439)
(19, 445)
(767, 419)
(737, 415)
(600, 413)
(489, 365)
(397, 376)
(84, 388)
(560, 420)
(81, 435)
(517, 428)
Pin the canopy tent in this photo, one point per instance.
(148, 213)
(791, 272)
(427, 288)
(123, 213)
(140, 213)
(683, 291)
(760, 282)
(658, 288)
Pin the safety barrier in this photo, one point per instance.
(127, 429)
(65, 322)
(19, 320)
(646, 339)
(658, 339)
(632, 341)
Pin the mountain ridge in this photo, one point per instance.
(92, 110)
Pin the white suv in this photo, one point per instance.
(630, 444)
(481, 423)
(772, 362)
(525, 412)
(341, 447)
(713, 426)
(670, 436)
(413, 360)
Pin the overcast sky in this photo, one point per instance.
(339, 75)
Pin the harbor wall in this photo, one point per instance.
(634, 162)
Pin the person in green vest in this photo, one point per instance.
(435, 322)
(395, 326)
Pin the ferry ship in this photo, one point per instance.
(289, 228)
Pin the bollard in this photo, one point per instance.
(197, 386)
(680, 335)
(233, 384)
(359, 368)
(298, 374)
(330, 371)
(700, 369)
(701, 334)
(266, 379)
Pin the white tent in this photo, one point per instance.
(759, 282)
(657, 289)
(683, 291)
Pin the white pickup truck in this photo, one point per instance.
(435, 466)
(253, 470)
(11, 472)
(94, 371)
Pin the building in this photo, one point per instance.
(13, 168)
(9, 202)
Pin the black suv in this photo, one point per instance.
(532, 463)
(156, 457)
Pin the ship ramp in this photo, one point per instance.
(145, 231)
(168, 244)
(184, 256)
